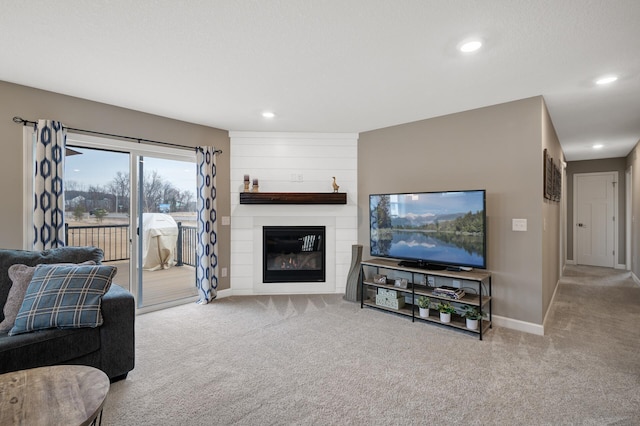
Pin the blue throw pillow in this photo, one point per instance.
(64, 296)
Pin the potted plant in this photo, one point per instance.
(423, 303)
(473, 315)
(445, 310)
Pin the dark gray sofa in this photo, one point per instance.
(109, 347)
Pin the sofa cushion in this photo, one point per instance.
(63, 296)
(20, 276)
(10, 257)
(47, 347)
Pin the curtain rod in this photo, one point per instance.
(139, 140)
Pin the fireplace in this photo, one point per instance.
(293, 254)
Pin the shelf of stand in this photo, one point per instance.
(404, 310)
(456, 321)
(468, 299)
(481, 279)
(293, 198)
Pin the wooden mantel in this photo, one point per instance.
(293, 198)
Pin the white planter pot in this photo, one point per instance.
(424, 312)
(472, 324)
(445, 317)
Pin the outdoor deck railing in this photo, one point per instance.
(114, 241)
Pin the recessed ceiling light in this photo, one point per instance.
(598, 146)
(607, 79)
(268, 114)
(470, 46)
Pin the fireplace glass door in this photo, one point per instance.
(293, 254)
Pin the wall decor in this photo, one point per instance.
(546, 177)
(552, 178)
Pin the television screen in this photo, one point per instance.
(447, 228)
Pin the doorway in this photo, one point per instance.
(137, 203)
(595, 210)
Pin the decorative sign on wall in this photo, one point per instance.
(552, 179)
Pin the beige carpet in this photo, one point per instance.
(278, 360)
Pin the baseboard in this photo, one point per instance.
(551, 302)
(617, 266)
(252, 292)
(221, 294)
(497, 320)
(635, 278)
(165, 305)
(514, 324)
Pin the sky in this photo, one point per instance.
(96, 167)
(438, 203)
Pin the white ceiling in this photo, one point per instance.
(336, 65)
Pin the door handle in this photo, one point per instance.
(581, 225)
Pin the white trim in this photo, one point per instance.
(514, 324)
(497, 320)
(134, 252)
(628, 175)
(571, 262)
(285, 135)
(551, 302)
(221, 294)
(165, 305)
(562, 241)
(635, 278)
(620, 266)
(131, 147)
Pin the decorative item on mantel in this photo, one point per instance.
(335, 185)
(246, 183)
(255, 186)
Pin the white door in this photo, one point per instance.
(594, 218)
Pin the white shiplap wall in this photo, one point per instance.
(292, 162)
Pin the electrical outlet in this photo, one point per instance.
(223, 272)
(519, 224)
(300, 178)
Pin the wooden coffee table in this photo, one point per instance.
(57, 395)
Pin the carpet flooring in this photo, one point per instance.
(320, 360)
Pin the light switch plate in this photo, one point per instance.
(519, 224)
(226, 220)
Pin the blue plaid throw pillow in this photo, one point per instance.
(64, 296)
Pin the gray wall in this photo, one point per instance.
(593, 166)
(498, 148)
(552, 252)
(34, 104)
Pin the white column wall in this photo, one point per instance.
(292, 162)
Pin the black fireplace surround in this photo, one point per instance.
(293, 254)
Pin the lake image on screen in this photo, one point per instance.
(435, 227)
(418, 245)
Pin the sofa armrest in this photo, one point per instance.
(117, 344)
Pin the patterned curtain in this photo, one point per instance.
(48, 200)
(206, 256)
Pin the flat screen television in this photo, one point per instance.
(434, 230)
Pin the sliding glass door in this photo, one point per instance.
(98, 205)
(167, 245)
(137, 203)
